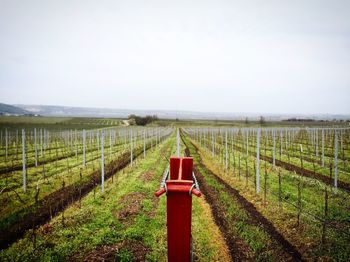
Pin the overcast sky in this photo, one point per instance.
(219, 56)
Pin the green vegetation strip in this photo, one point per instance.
(56, 123)
(126, 223)
(117, 221)
(314, 239)
(299, 170)
(243, 219)
(14, 225)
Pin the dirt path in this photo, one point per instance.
(125, 123)
(131, 208)
(237, 249)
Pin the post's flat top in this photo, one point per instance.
(181, 168)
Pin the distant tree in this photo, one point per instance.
(262, 120)
(246, 120)
(142, 121)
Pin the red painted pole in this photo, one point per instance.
(179, 189)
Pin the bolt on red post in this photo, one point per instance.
(179, 189)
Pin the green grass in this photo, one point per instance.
(93, 224)
(97, 223)
(243, 123)
(307, 237)
(56, 123)
(257, 239)
(13, 210)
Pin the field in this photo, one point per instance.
(82, 189)
(56, 123)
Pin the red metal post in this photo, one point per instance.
(179, 190)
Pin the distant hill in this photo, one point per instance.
(6, 109)
(66, 111)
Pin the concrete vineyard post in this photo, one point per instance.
(335, 159)
(231, 141)
(90, 138)
(131, 148)
(246, 166)
(178, 143)
(144, 143)
(24, 160)
(258, 161)
(35, 148)
(84, 147)
(341, 145)
(212, 140)
(265, 168)
(281, 141)
(274, 148)
(110, 145)
(6, 143)
(233, 152)
(247, 142)
(41, 143)
(322, 147)
(91, 146)
(76, 145)
(44, 139)
(316, 139)
(102, 162)
(221, 147)
(226, 153)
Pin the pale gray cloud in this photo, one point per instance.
(233, 56)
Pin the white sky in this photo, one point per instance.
(230, 56)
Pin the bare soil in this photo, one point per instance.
(131, 207)
(107, 253)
